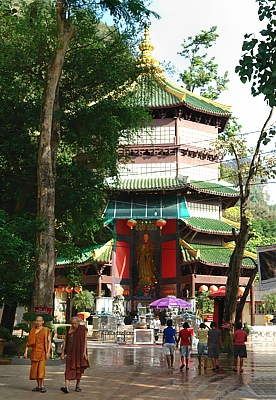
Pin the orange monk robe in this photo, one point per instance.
(40, 345)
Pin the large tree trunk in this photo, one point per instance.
(241, 304)
(235, 264)
(48, 146)
(242, 238)
(8, 317)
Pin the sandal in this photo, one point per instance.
(37, 389)
(64, 389)
(78, 389)
(43, 390)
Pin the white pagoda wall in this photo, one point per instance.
(171, 132)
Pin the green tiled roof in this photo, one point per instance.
(208, 225)
(100, 253)
(142, 184)
(211, 255)
(156, 91)
(214, 188)
(168, 183)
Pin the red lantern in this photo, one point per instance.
(203, 288)
(60, 289)
(161, 222)
(131, 223)
(78, 289)
(69, 289)
(241, 290)
(213, 288)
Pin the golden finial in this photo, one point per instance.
(147, 48)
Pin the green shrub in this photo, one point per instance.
(5, 333)
(61, 329)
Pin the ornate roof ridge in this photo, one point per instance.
(181, 93)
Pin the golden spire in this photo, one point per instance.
(147, 48)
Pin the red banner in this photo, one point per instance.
(43, 310)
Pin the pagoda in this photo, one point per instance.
(165, 210)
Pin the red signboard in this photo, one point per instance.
(208, 317)
(43, 310)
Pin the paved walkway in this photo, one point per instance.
(139, 373)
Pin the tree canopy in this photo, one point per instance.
(90, 114)
(202, 73)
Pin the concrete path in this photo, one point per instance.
(121, 372)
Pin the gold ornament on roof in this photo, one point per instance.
(147, 48)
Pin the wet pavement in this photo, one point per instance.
(139, 372)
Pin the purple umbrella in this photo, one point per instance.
(173, 302)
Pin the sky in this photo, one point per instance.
(181, 18)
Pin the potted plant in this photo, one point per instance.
(61, 331)
(83, 300)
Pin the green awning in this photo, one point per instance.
(147, 207)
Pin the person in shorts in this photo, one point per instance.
(185, 339)
(169, 341)
(214, 345)
(202, 335)
(240, 337)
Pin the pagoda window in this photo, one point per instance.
(204, 210)
(147, 169)
(196, 138)
(198, 172)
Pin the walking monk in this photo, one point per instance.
(75, 349)
(40, 341)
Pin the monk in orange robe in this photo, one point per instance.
(75, 349)
(40, 341)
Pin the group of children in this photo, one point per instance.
(209, 345)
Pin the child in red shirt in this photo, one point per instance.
(185, 339)
(240, 337)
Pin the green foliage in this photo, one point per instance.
(17, 257)
(23, 326)
(61, 329)
(257, 64)
(246, 328)
(269, 302)
(30, 317)
(5, 333)
(99, 67)
(204, 304)
(202, 73)
(94, 114)
(83, 300)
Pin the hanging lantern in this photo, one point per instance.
(78, 289)
(69, 289)
(161, 222)
(241, 290)
(222, 287)
(131, 223)
(213, 288)
(203, 288)
(60, 289)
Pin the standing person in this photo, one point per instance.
(156, 324)
(75, 349)
(185, 339)
(40, 341)
(214, 345)
(202, 335)
(169, 341)
(240, 337)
